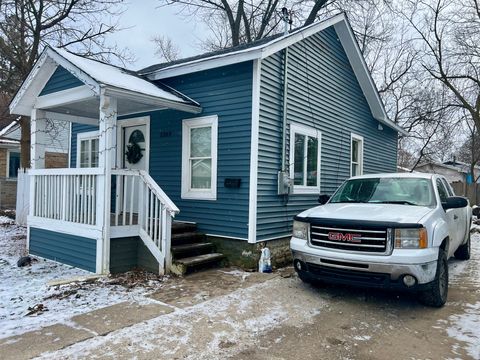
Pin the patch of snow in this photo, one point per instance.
(228, 324)
(362, 337)
(23, 288)
(465, 327)
(5, 220)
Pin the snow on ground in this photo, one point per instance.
(465, 326)
(26, 287)
(214, 329)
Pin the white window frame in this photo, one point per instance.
(313, 133)
(360, 155)
(187, 125)
(83, 136)
(9, 151)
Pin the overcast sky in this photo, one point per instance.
(145, 19)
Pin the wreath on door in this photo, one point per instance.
(134, 151)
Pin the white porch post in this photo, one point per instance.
(38, 124)
(107, 149)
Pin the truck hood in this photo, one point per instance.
(369, 212)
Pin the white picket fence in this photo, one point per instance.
(23, 197)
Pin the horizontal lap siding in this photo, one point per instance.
(323, 93)
(60, 80)
(68, 249)
(226, 92)
(76, 129)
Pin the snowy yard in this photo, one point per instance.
(24, 288)
(279, 318)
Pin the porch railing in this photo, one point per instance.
(140, 201)
(66, 194)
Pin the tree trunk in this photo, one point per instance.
(25, 142)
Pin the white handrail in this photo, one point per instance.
(150, 182)
(67, 171)
(171, 207)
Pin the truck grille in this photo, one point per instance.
(352, 238)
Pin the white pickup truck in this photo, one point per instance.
(385, 230)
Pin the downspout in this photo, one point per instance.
(285, 93)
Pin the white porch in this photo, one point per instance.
(106, 201)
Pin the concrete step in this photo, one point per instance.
(180, 227)
(181, 266)
(189, 250)
(187, 238)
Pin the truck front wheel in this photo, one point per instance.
(436, 294)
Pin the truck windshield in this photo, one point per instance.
(407, 191)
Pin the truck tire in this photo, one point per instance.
(463, 251)
(436, 294)
(304, 277)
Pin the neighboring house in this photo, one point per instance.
(9, 165)
(454, 171)
(56, 143)
(232, 144)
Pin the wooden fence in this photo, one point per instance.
(471, 191)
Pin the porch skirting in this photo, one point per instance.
(129, 253)
(69, 249)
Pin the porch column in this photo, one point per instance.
(107, 149)
(38, 131)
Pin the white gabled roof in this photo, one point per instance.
(265, 49)
(117, 77)
(96, 76)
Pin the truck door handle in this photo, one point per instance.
(455, 217)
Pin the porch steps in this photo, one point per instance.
(187, 238)
(190, 250)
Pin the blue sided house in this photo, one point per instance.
(201, 159)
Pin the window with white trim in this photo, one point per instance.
(305, 144)
(87, 149)
(199, 158)
(13, 161)
(356, 155)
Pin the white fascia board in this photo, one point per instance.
(206, 64)
(23, 100)
(64, 97)
(9, 128)
(359, 66)
(257, 52)
(153, 100)
(290, 39)
(75, 71)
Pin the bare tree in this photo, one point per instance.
(242, 21)
(26, 26)
(448, 41)
(165, 49)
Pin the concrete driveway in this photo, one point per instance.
(231, 314)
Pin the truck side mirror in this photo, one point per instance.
(323, 199)
(455, 202)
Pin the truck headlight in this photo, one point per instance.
(300, 229)
(411, 238)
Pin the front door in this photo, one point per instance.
(134, 155)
